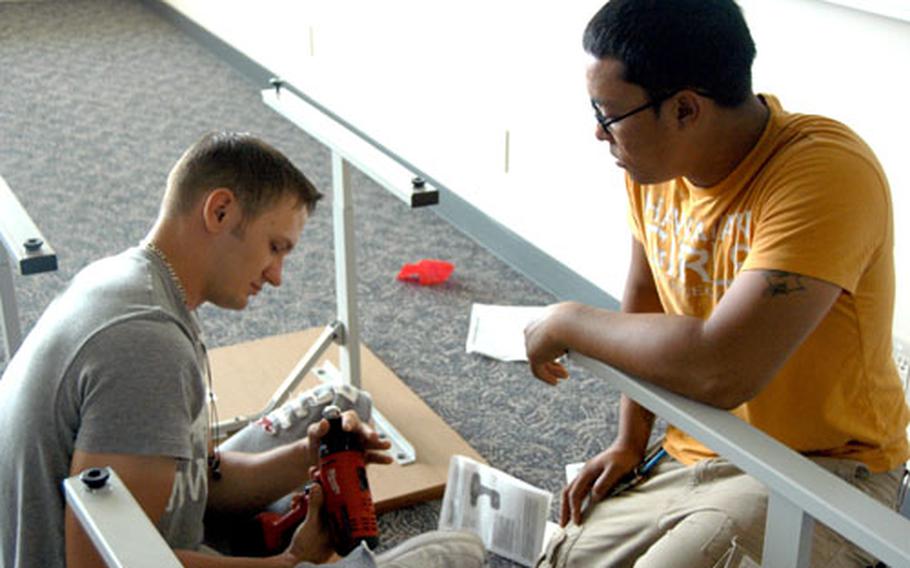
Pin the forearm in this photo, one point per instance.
(251, 481)
(673, 352)
(635, 425)
(639, 296)
(193, 559)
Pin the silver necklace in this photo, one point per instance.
(214, 458)
(170, 269)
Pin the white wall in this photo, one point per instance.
(442, 83)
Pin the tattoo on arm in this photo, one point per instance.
(782, 283)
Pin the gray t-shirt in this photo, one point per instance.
(115, 365)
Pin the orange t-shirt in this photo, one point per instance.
(811, 199)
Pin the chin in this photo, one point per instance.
(643, 178)
(238, 303)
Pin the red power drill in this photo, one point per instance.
(343, 477)
(348, 501)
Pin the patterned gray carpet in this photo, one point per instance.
(97, 100)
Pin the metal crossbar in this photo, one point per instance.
(23, 248)
(799, 491)
(350, 147)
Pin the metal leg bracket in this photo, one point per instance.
(401, 451)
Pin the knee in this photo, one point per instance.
(700, 540)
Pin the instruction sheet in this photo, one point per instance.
(508, 514)
(498, 331)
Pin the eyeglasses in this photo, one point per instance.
(606, 123)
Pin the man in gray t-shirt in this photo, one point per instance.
(116, 339)
(115, 374)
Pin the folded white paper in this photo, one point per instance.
(508, 514)
(498, 331)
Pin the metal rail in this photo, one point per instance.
(350, 147)
(25, 248)
(800, 492)
(116, 524)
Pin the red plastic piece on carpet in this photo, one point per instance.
(426, 272)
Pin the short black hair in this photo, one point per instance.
(258, 174)
(670, 45)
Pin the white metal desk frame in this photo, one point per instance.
(349, 146)
(116, 524)
(799, 491)
(23, 244)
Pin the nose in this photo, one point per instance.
(272, 273)
(601, 134)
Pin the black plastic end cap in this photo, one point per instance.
(95, 477)
(424, 198)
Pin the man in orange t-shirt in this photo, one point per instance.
(761, 281)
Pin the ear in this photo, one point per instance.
(220, 209)
(688, 108)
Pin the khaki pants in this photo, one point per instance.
(688, 517)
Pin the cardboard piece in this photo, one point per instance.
(246, 375)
